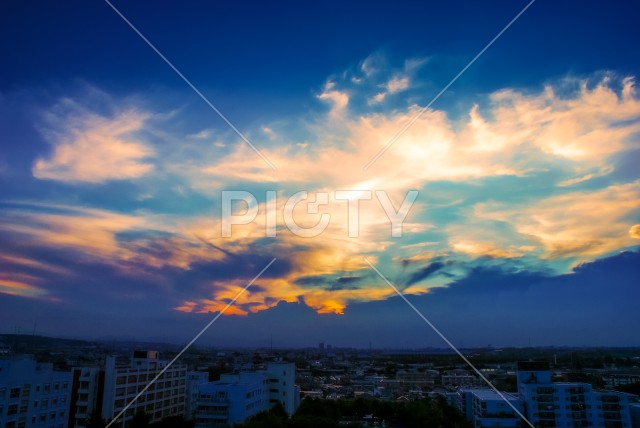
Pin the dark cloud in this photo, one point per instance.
(424, 273)
(593, 305)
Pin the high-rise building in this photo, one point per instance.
(86, 395)
(282, 387)
(165, 397)
(33, 394)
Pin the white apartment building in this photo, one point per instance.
(194, 381)
(569, 404)
(33, 394)
(486, 408)
(282, 387)
(232, 399)
(165, 397)
(236, 397)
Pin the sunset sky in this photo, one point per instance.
(525, 231)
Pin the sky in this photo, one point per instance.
(526, 225)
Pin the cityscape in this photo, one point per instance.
(79, 384)
(261, 214)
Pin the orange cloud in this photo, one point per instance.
(20, 285)
(579, 224)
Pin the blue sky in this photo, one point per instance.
(112, 170)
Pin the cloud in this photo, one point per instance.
(19, 286)
(91, 148)
(397, 83)
(634, 231)
(488, 249)
(577, 224)
(521, 179)
(337, 99)
(424, 273)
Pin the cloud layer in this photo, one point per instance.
(524, 178)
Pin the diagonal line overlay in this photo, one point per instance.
(448, 342)
(191, 342)
(424, 109)
(191, 85)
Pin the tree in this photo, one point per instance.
(140, 420)
(95, 421)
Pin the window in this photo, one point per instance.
(12, 409)
(14, 393)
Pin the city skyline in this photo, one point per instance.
(526, 226)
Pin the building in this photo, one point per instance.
(282, 386)
(635, 415)
(415, 379)
(33, 394)
(232, 399)
(165, 397)
(236, 397)
(86, 395)
(569, 404)
(194, 381)
(547, 404)
(484, 407)
(613, 380)
(459, 378)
